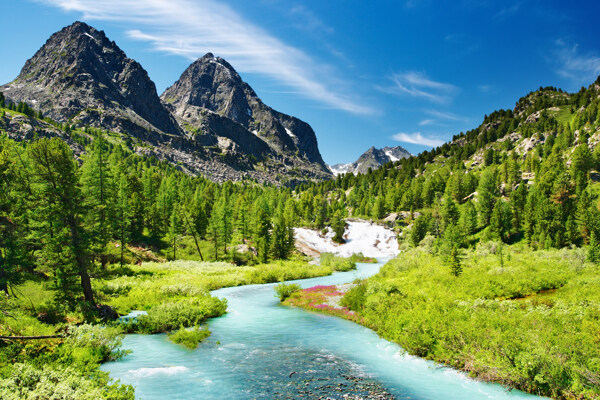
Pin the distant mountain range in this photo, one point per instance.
(209, 122)
(371, 159)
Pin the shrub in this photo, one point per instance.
(336, 263)
(52, 382)
(190, 338)
(285, 290)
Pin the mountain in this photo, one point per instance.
(210, 89)
(371, 159)
(80, 76)
(209, 122)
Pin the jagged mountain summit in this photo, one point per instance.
(80, 76)
(372, 158)
(209, 122)
(210, 89)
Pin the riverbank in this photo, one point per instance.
(528, 320)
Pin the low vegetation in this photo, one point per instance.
(189, 337)
(285, 290)
(526, 319)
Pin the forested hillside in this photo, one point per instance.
(529, 173)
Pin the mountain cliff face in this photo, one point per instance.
(79, 75)
(209, 122)
(372, 158)
(212, 84)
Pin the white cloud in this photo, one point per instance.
(441, 118)
(580, 68)
(192, 28)
(417, 138)
(445, 115)
(417, 84)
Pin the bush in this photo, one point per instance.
(170, 316)
(355, 298)
(285, 290)
(52, 382)
(190, 338)
(341, 264)
(103, 340)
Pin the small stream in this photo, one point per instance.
(262, 350)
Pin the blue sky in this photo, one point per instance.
(377, 73)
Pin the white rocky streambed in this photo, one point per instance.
(370, 239)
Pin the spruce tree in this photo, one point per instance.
(59, 209)
(455, 265)
(338, 225)
(98, 191)
(262, 235)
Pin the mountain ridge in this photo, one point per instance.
(79, 77)
(372, 159)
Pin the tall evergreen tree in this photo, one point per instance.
(65, 249)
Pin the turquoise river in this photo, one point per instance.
(262, 350)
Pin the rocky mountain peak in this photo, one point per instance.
(209, 122)
(211, 84)
(373, 158)
(80, 75)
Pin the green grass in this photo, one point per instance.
(152, 284)
(564, 116)
(528, 320)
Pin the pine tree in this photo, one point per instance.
(280, 246)
(594, 249)
(98, 191)
(487, 194)
(13, 256)
(338, 225)
(122, 216)
(56, 188)
(468, 219)
(175, 228)
(262, 235)
(455, 265)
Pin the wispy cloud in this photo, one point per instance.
(428, 121)
(417, 84)
(191, 28)
(445, 115)
(417, 138)
(574, 65)
(441, 118)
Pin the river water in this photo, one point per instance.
(262, 350)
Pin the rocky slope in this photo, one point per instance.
(79, 75)
(210, 90)
(372, 158)
(211, 122)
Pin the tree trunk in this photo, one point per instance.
(86, 283)
(191, 229)
(174, 247)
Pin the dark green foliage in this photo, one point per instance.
(56, 193)
(593, 254)
(455, 266)
(338, 225)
